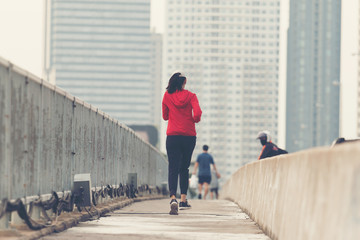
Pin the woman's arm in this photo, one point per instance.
(165, 110)
(196, 109)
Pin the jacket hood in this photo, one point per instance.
(180, 98)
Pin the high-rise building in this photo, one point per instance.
(313, 74)
(229, 51)
(100, 51)
(156, 76)
(358, 90)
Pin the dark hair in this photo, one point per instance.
(175, 82)
(205, 147)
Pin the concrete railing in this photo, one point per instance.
(313, 194)
(47, 136)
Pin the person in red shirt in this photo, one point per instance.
(181, 109)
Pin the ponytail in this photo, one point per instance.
(175, 82)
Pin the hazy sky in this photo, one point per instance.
(21, 41)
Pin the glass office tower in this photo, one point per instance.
(313, 74)
(358, 86)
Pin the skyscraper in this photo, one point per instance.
(358, 89)
(100, 51)
(229, 51)
(313, 74)
(155, 76)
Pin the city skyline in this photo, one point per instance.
(27, 22)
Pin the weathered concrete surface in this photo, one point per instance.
(151, 220)
(68, 220)
(313, 194)
(47, 136)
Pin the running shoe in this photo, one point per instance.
(174, 207)
(184, 205)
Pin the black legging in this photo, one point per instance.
(179, 150)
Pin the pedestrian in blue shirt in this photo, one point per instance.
(203, 162)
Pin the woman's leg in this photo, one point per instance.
(188, 145)
(174, 155)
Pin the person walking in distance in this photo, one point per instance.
(181, 109)
(203, 162)
(214, 185)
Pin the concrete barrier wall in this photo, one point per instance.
(313, 194)
(47, 136)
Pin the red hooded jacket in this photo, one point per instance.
(182, 110)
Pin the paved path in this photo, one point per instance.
(150, 220)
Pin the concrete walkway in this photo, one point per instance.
(150, 220)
